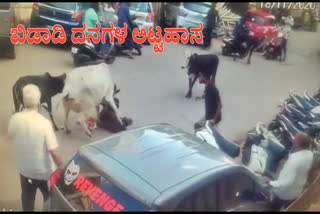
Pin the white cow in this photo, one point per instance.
(86, 88)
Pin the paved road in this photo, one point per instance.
(152, 91)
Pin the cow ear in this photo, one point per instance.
(63, 76)
(187, 53)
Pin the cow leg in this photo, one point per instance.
(98, 110)
(191, 84)
(49, 109)
(113, 107)
(66, 114)
(16, 100)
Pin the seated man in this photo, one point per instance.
(294, 174)
(91, 19)
(240, 34)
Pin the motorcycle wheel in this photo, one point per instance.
(114, 51)
(110, 59)
(139, 51)
(245, 54)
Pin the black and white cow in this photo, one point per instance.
(49, 86)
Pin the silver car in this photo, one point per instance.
(141, 10)
(191, 14)
(8, 20)
(153, 168)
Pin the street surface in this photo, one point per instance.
(153, 89)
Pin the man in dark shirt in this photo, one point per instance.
(210, 25)
(212, 101)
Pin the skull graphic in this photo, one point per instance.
(71, 173)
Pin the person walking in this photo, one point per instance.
(210, 25)
(36, 147)
(212, 98)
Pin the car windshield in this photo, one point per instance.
(141, 7)
(197, 7)
(257, 19)
(66, 6)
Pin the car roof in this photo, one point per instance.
(259, 13)
(154, 158)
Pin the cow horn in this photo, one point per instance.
(63, 76)
(187, 53)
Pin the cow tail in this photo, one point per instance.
(16, 101)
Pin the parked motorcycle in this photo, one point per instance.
(87, 53)
(229, 47)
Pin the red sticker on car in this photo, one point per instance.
(96, 195)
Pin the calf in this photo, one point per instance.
(49, 86)
(85, 88)
(196, 63)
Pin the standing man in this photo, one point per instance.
(36, 147)
(124, 17)
(211, 24)
(213, 104)
(294, 174)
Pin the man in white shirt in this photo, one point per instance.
(288, 24)
(36, 147)
(294, 174)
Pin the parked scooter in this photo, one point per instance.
(88, 53)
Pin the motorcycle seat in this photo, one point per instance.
(316, 110)
(289, 126)
(303, 126)
(91, 45)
